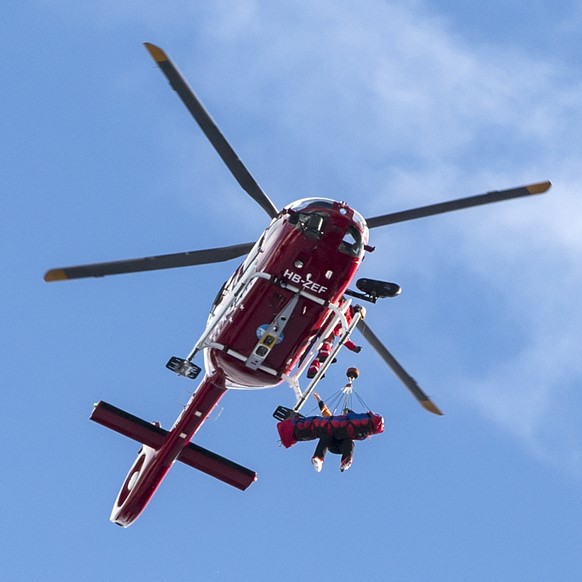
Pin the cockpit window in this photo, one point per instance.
(316, 216)
(352, 243)
(308, 205)
(359, 220)
(310, 215)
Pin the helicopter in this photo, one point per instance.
(269, 320)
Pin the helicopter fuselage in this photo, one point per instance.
(278, 301)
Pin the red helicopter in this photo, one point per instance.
(269, 320)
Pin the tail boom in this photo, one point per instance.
(162, 448)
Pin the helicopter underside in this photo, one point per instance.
(250, 366)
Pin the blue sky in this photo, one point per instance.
(386, 105)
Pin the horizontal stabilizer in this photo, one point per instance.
(153, 436)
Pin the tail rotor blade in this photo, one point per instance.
(210, 129)
(402, 374)
(155, 263)
(450, 206)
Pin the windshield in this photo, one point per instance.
(313, 215)
(310, 215)
(310, 204)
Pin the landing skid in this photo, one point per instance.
(282, 412)
(358, 315)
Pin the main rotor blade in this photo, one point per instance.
(495, 196)
(202, 257)
(210, 129)
(406, 378)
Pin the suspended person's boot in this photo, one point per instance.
(346, 463)
(313, 368)
(352, 346)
